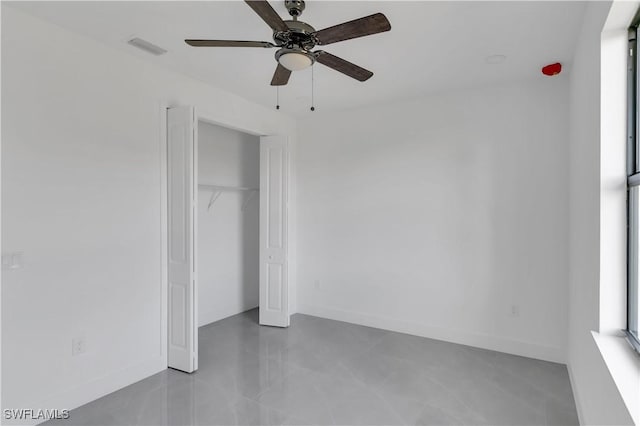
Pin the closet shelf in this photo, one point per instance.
(216, 190)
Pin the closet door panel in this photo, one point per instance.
(274, 285)
(181, 169)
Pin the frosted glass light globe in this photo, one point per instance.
(294, 61)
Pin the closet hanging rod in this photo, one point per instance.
(225, 188)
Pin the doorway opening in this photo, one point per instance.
(226, 228)
(228, 209)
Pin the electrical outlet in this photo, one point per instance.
(6, 260)
(78, 346)
(515, 311)
(12, 260)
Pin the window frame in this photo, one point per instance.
(633, 186)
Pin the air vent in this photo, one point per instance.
(147, 46)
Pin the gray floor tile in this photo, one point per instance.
(560, 413)
(250, 412)
(322, 372)
(247, 374)
(299, 397)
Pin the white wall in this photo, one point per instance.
(81, 197)
(437, 216)
(228, 265)
(433, 216)
(597, 398)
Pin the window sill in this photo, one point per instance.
(623, 364)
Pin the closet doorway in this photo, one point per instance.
(227, 252)
(227, 229)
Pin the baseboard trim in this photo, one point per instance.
(500, 344)
(211, 317)
(87, 392)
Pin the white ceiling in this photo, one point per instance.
(432, 46)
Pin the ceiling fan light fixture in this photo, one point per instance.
(295, 59)
(296, 40)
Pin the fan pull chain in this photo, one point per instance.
(277, 97)
(313, 108)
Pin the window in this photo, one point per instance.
(633, 192)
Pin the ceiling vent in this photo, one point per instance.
(147, 46)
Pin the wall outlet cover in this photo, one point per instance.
(78, 346)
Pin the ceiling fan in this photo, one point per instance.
(295, 40)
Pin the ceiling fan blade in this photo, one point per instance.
(372, 24)
(281, 76)
(268, 15)
(228, 43)
(345, 67)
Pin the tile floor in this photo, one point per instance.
(323, 372)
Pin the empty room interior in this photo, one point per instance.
(320, 213)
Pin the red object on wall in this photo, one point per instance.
(552, 69)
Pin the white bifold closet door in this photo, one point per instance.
(274, 285)
(182, 152)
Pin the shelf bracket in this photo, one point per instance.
(214, 197)
(248, 198)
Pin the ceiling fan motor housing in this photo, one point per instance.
(300, 34)
(296, 43)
